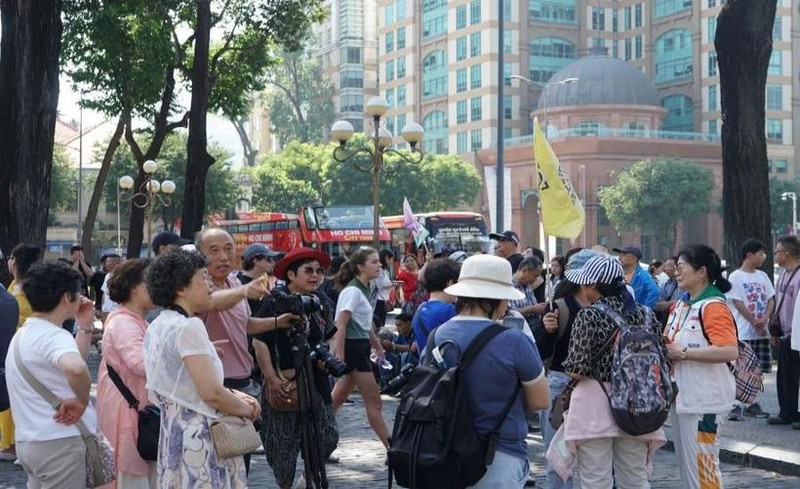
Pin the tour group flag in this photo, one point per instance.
(410, 222)
(562, 211)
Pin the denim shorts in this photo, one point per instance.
(506, 472)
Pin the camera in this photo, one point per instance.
(333, 365)
(393, 386)
(299, 304)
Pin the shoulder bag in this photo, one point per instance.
(149, 422)
(774, 325)
(100, 466)
(234, 436)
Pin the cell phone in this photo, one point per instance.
(514, 322)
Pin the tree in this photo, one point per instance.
(305, 174)
(655, 195)
(781, 210)
(63, 183)
(221, 196)
(744, 45)
(249, 32)
(300, 98)
(30, 44)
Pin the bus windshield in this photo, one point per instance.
(452, 234)
(343, 217)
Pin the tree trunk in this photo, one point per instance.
(744, 45)
(29, 54)
(199, 161)
(97, 193)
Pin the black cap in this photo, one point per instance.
(168, 238)
(631, 250)
(507, 235)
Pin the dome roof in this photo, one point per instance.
(601, 79)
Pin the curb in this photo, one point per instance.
(764, 457)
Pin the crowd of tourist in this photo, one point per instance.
(202, 334)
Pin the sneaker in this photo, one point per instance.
(736, 414)
(754, 411)
(778, 420)
(333, 459)
(796, 425)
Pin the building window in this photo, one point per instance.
(552, 11)
(461, 142)
(507, 74)
(401, 121)
(548, 55)
(712, 97)
(474, 77)
(508, 109)
(400, 9)
(774, 97)
(506, 42)
(352, 78)
(673, 59)
(475, 12)
(775, 131)
(777, 29)
(477, 139)
(712, 126)
(435, 125)
(401, 67)
(461, 112)
(389, 42)
(352, 55)
(475, 109)
(598, 19)
(680, 114)
(389, 94)
(712, 28)
(475, 44)
(628, 49)
(602, 217)
(434, 75)
(781, 166)
(587, 128)
(434, 18)
(712, 63)
(638, 16)
(352, 103)
(390, 70)
(461, 16)
(401, 38)
(776, 63)
(461, 48)
(712, 3)
(401, 96)
(638, 47)
(388, 14)
(626, 19)
(663, 8)
(614, 21)
(461, 80)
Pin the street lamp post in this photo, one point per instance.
(565, 81)
(793, 196)
(149, 194)
(379, 144)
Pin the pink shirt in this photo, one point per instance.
(122, 349)
(231, 325)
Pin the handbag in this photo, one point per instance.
(774, 325)
(149, 419)
(234, 436)
(100, 465)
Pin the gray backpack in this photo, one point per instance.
(641, 389)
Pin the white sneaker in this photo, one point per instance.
(7, 456)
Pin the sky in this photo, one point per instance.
(219, 129)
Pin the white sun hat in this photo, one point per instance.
(485, 277)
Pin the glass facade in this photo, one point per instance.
(662, 8)
(435, 125)
(673, 56)
(434, 75)
(547, 56)
(680, 114)
(434, 18)
(552, 11)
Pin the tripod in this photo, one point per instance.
(308, 404)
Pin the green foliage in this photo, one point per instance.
(300, 98)
(63, 182)
(654, 195)
(222, 191)
(305, 174)
(781, 210)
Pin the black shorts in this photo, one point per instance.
(356, 355)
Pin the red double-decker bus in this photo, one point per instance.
(331, 229)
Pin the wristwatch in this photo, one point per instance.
(684, 354)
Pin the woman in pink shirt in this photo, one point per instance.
(123, 351)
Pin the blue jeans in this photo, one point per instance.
(506, 472)
(557, 381)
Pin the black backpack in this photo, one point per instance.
(434, 444)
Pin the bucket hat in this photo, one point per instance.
(297, 254)
(485, 277)
(603, 269)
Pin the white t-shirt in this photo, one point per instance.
(108, 305)
(41, 345)
(169, 339)
(353, 299)
(754, 290)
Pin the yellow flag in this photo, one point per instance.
(562, 211)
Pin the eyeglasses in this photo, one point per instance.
(313, 271)
(780, 251)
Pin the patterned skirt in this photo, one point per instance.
(186, 455)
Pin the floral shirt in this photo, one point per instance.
(590, 331)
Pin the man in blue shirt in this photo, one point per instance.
(439, 274)
(644, 287)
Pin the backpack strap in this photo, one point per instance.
(563, 317)
(494, 435)
(133, 403)
(731, 366)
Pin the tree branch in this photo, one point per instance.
(131, 140)
(183, 122)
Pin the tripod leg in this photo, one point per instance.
(310, 439)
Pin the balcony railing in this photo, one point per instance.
(605, 132)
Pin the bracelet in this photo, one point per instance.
(84, 331)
